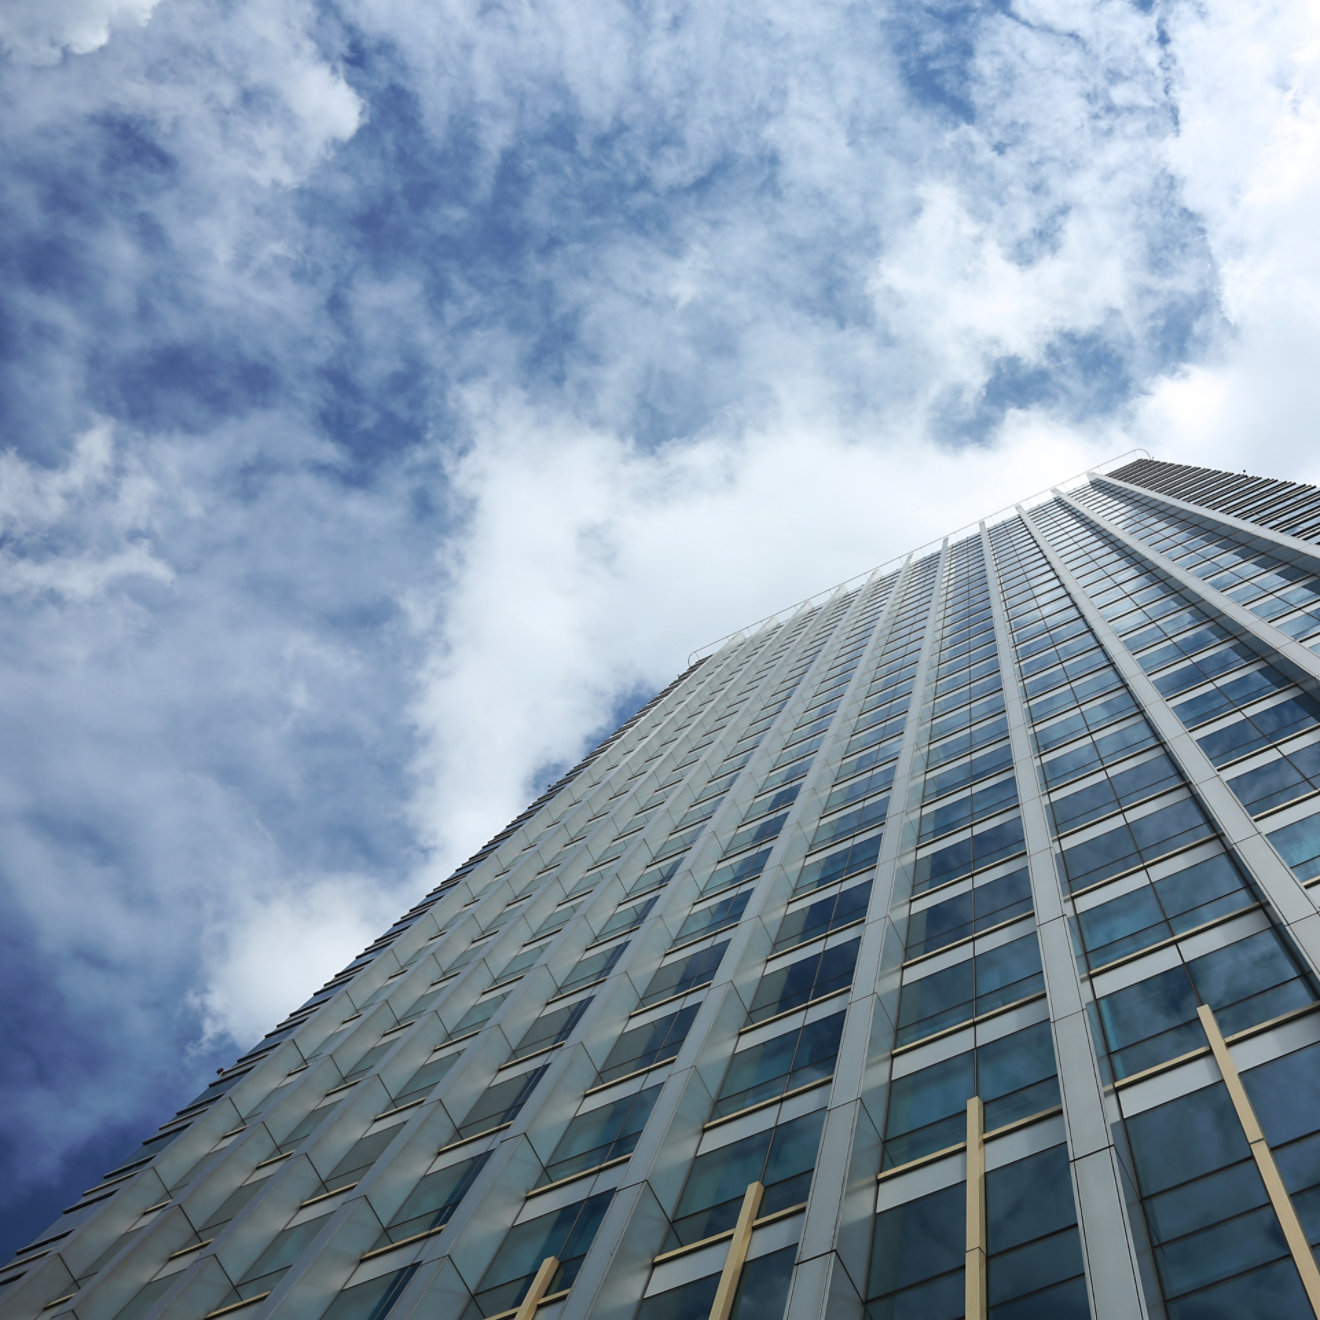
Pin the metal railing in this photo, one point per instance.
(892, 565)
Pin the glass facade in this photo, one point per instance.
(944, 948)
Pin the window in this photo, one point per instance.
(1299, 845)
(1034, 1254)
(858, 856)
(865, 786)
(976, 985)
(917, 1256)
(431, 1204)
(477, 1016)
(499, 1105)
(772, 802)
(758, 832)
(549, 1029)
(880, 755)
(684, 974)
(1180, 648)
(304, 1129)
(715, 916)
(1229, 694)
(1094, 684)
(762, 1293)
(1283, 1095)
(987, 904)
(960, 744)
(1218, 1247)
(604, 1133)
(364, 1152)
(1249, 981)
(269, 1268)
(802, 981)
(650, 1044)
(1169, 906)
(783, 1063)
(1200, 670)
(425, 1079)
(371, 1300)
(594, 967)
(1261, 728)
(736, 873)
(1119, 788)
(985, 800)
(566, 1234)
(514, 968)
(981, 766)
(780, 1158)
(953, 860)
(1014, 1076)
(626, 917)
(850, 822)
(1293, 775)
(1094, 753)
(1134, 843)
(826, 914)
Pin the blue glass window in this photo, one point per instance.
(1247, 982)
(978, 909)
(917, 1254)
(783, 1063)
(1133, 843)
(983, 848)
(601, 1134)
(566, 1234)
(826, 914)
(1218, 1247)
(1014, 1076)
(1299, 846)
(647, 1045)
(684, 974)
(804, 980)
(990, 980)
(858, 856)
(780, 1158)
(1167, 907)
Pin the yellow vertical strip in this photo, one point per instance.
(1286, 1212)
(540, 1285)
(721, 1307)
(976, 1304)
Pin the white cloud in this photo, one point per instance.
(39, 31)
(589, 566)
(268, 948)
(109, 497)
(1247, 157)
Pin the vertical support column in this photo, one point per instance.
(1113, 1276)
(722, 1306)
(833, 1254)
(540, 1286)
(1293, 1232)
(976, 1304)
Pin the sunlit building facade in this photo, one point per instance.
(943, 947)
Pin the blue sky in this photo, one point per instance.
(391, 395)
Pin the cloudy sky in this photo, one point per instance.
(392, 394)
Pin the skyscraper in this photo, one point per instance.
(944, 946)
